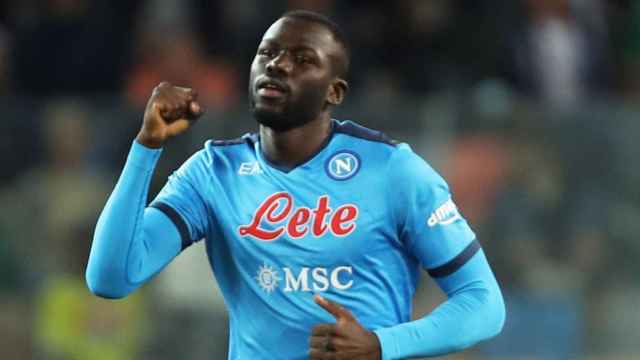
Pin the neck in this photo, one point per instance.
(295, 146)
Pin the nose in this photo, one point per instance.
(280, 64)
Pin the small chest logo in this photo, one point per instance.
(268, 278)
(249, 168)
(343, 165)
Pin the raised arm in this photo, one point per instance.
(133, 242)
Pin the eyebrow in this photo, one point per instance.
(297, 47)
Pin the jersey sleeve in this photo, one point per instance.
(433, 231)
(429, 223)
(182, 199)
(131, 243)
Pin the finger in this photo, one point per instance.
(186, 90)
(178, 127)
(319, 342)
(337, 343)
(335, 309)
(173, 115)
(318, 354)
(170, 108)
(195, 110)
(159, 108)
(324, 330)
(187, 96)
(160, 87)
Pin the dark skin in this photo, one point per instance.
(344, 339)
(301, 57)
(293, 86)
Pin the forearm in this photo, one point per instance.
(473, 312)
(125, 251)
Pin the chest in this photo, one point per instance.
(304, 219)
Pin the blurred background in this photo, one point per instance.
(528, 107)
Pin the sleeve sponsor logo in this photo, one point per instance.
(446, 214)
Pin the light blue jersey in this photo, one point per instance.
(356, 223)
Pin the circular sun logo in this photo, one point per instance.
(267, 278)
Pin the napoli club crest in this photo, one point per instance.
(343, 165)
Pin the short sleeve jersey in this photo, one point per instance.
(355, 223)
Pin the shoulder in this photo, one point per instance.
(246, 139)
(243, 142)
(405, 167)
(216, 151)
(373, 146)
(357, 131)
(229, 147)
(393, 156)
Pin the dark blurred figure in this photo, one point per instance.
(69, 46)
(49, 204)
(559, 53)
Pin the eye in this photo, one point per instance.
(302, 59)
(266, 52)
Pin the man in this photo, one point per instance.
(308, 214)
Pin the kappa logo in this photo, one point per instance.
(249, 168)
(343, 165)
(306, 279)
(446, 214)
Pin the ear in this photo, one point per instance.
(337, 91)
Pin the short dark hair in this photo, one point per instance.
(342, 68)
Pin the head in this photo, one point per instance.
(298, 73)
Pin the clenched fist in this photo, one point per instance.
(170, 111)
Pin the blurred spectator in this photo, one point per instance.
(485, 160)
(176, 57)
(4, 60)
(629, 40)
(59, 198)
(72, 324)
(188, 295)
(16, 335)
(560, 53)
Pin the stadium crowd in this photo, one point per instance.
(528, 107)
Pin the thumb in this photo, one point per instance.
(195, 109)
(177, 127)
(333, 308)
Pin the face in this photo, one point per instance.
(292, 79)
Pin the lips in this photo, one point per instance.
(272, 88)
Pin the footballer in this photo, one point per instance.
(316, 229)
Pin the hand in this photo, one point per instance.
(170, 111)
(346, 339)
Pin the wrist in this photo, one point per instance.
(148, 141)
(143, 157)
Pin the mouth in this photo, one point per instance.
(272, 88)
